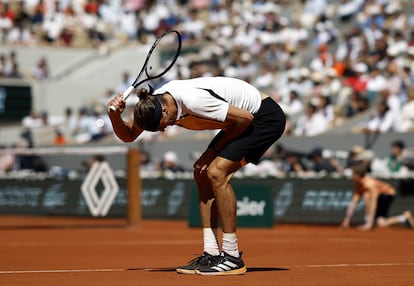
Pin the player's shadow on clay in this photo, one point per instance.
(249, 269)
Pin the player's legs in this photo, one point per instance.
(209, 223)
(405, 218)
(219, 173)
(208, 213)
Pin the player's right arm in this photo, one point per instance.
(126, 131)
(350, 210)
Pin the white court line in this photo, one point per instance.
(60, 271)
(131, 242)
(354, 265)
(42, 271)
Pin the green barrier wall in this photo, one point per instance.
(317, 201)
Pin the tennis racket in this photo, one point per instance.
(167, 48)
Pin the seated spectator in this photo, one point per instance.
(321, 164)
(357, 103)
(382, 121)
(406, 116)
(347, 9)
(311, 123)
(394, 160)
(294, 163)
(295, 105)
(41, 69)
(358, 80)
(7, 162)
(170, 164)
(326, 109)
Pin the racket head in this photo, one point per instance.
(161, 57)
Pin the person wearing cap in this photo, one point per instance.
(250, 122)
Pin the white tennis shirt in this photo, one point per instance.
(203, 102)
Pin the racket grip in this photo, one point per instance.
(127, 92)
(125, 95)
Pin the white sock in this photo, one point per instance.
(402, 218)
(230, 245)
(210, 241)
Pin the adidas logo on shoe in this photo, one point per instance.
(227, 265)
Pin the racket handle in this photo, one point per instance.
(125, 95)
(127, 92)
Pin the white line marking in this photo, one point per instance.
(60, 271)
(142, 242)
(40, 271)
(357, 265)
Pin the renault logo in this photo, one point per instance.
(99, 206)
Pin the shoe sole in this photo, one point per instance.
(238, 271)
(186, 271)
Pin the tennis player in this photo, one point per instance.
(249, 123)
(378, 196)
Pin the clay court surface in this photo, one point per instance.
(60, 251)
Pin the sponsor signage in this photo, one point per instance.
(254, 206)
(260, 202)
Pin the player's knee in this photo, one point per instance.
(214, 174)
(381, 222)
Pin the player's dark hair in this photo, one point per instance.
(399, 144)
(359, 169)
(148, 110)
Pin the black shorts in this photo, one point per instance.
(383, 205)
(267, 127)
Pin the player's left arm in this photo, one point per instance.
(371, 208)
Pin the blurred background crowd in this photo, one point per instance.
(325, 62)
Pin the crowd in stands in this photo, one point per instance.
(323, 61)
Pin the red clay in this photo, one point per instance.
(65, 251)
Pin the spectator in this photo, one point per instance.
(321, 164)
(294, 164)
(32, 120)
(311, 123)
(87, 165)
(2, 65)
(53, 24)
(6, 24)
(326, 109)
(392, 100)
(382, 121)
(375, 83)
(353, 159)
(265, 168)
(7, 162)
(395, 159)
(294, 105)
(60, 138)
(170, 163)
(41, 69)
(358, 81)
(406, 117)
(347, 9)
(356, 104)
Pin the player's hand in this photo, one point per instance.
(118, 103)
(345, 223)
(201, 165)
